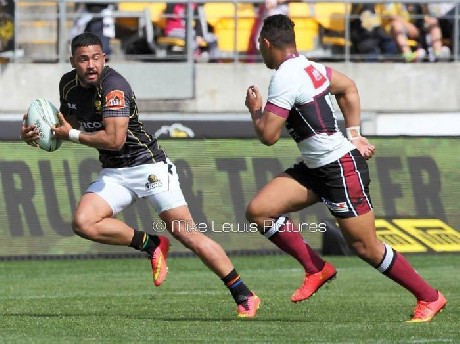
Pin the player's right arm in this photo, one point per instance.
(71, 119)
(64, 109)
(268, 125)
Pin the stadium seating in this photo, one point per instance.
(155, 8)
(332, 16)
(36, 31)
(306, 27)
(139, 30)
(232, 34)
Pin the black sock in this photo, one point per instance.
(238, 289)
(144, 242)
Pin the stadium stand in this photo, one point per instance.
(232, 24)
(150, 37)
(321, 29)
(155, 8)
(37, 29)
(138, 32)
(331, 17)
(320, 24)
(306, 26)
(173, 45)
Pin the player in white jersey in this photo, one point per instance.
(333, 170)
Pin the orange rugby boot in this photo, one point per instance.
(249, 308)
(158, 261)
(313, 282)
(426, 311)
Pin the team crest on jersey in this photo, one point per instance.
(340, 207)
(115, 100)
(98, 105)
(153, 182)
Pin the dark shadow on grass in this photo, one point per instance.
(155, 317)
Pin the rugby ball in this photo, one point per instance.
(43, 114)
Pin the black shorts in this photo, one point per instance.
(343, 185)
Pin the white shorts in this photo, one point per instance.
(121, 187)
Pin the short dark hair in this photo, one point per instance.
(85, 39)
(278, 29)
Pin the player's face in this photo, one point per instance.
(265, 51)
(88, 62)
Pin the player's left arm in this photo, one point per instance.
(268, 126)
(346, 93)
(115, 118)
(347, 96)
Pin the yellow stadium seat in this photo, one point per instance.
(306, 27)
(156, 8)
(169, 41)
(331, 16)
(222, 17)
(145, 17)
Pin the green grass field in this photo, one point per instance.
(114, 301)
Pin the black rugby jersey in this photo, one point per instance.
(113, 97)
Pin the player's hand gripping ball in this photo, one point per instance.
(43, 114)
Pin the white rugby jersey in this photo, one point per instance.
(299, 92)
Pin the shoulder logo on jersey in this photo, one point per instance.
(115, 100)
(152, 182)
(317, 78)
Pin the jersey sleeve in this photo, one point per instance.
(328, 72)
(116, 97)
(281, 95)
(63, 107)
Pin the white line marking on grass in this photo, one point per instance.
(428, 340)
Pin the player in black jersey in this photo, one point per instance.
(98, 109)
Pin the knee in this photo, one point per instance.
(369, 252)
(82, 225)
(255, 212)
(397, 27)
(431, 21)
(360, 248)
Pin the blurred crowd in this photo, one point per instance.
(409, 32)
(419, 32)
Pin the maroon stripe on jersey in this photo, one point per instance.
(322, 108)
(354, 185)
(329, 72)
(277, 110)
